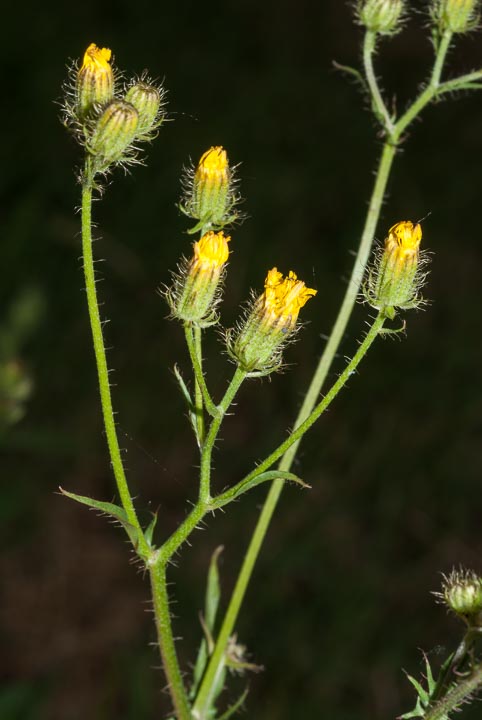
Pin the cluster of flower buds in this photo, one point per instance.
(456, 16)
(271, 321)
(209, 198)
(109, 118)
(383, 17)
(394, 282)
(462, 593)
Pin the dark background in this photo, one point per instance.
(340, 601)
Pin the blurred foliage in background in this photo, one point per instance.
(340, 600)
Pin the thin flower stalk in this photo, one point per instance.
(379, 106)
(206, 455)
(193, 342)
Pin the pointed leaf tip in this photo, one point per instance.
(114, 511)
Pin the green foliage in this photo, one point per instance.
(252, 482)
(426, 696)
(211, 604)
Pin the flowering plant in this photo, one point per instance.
(112, 120)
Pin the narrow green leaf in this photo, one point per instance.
(213, 590)
(417, 712)
(234, 708)
(115, 511)
(422, 693)
(351, 71)
(149, 531)
(431, 684)
(189, 402)
(211, 604)
(219, 684)
(442, 677)
(245, 485)
(183, 386)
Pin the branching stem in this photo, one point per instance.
(393, 131)
(206, 455)
(202, 704)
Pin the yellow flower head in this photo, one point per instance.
(284, 297)
(95, 80)
(210, 191)
(258, 342)
(211, 252)
(397, 277)
(197, 289)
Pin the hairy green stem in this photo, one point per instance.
(434, 87)
(198, 393)
(320, 408)
(100, 357)
(157, 571)
(166, 643)
(157, 564)
(203, 699)
(379, 107)
(471, 80)
(456, 696)
(194, 349)
(205, 475)
(160, 558)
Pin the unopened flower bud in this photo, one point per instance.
(457, 16)
(146, 99)
(196, 290)
(462, 592)
(272, 321)
(95, 80)
(396, 279)
(381, 16)
(113, 133)
(210, 195)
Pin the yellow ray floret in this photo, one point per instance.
(284, 297)
(211, 251)
(95, 81)
(96, 58)
(406, 235)
(403, 241)
(214, 163)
